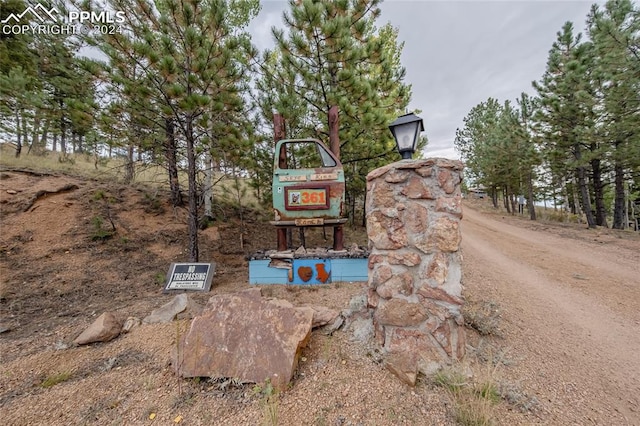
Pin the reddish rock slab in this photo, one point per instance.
(404, 365)
(246, 337)
(386, 232)
(400, 312)
(401, 284)
(321, 315)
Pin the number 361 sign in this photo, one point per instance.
(306, 198)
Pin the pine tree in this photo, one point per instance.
(564, 104)
(529, 155)
(478, 145)
(188, 53)
(615, 32)
(331, 55)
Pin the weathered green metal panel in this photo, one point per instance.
(308, 184)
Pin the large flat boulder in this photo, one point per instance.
(244, 336)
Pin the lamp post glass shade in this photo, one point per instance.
(406, 130)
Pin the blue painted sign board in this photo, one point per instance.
(309, 271)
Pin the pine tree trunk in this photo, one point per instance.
(530, 205)
(505, 199)
(193, 194)
(63, 138)
(25, 130)
(34, 133)
(208, 184)
(172, 162)
(619, 201)
(352, 208)
(129, 170)
(42, 146)
(494, 197)
(598, 193)
(19, 136)
(582, 187)
(571, 198)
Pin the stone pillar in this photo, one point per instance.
(413, 225)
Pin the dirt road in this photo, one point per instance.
(570, 314)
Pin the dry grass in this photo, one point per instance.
(474, 385)
(474, 398)
(482, 316)
(226, 187)
(544, 214)
(553, 215)
(54, 379)
(270, 399)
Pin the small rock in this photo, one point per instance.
(362, 330)
(11, 191)
(321, 315)
(358, 303)
(130, 323)
(60, 345)
(109, 364)
(103, 329)
(335, 325)
(168, 311)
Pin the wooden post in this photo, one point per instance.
(334, 126)
(334, 146)
(282, 238)
(338, 238)
(279, 134)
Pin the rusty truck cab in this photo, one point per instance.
(308, 185)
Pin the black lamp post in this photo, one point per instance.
(406, 130)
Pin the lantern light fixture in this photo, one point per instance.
(406, 131)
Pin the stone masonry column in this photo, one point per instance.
(413, 225)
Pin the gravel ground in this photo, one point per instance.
(559, 303)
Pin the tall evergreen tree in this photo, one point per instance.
(184, 49)
(477, 143)
(615, 32)
(331, 55)
(529, 155)
(564, 110)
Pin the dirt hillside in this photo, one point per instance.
(558, 307)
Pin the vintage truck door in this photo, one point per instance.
(308, 184)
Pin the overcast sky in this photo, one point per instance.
(459, 53)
